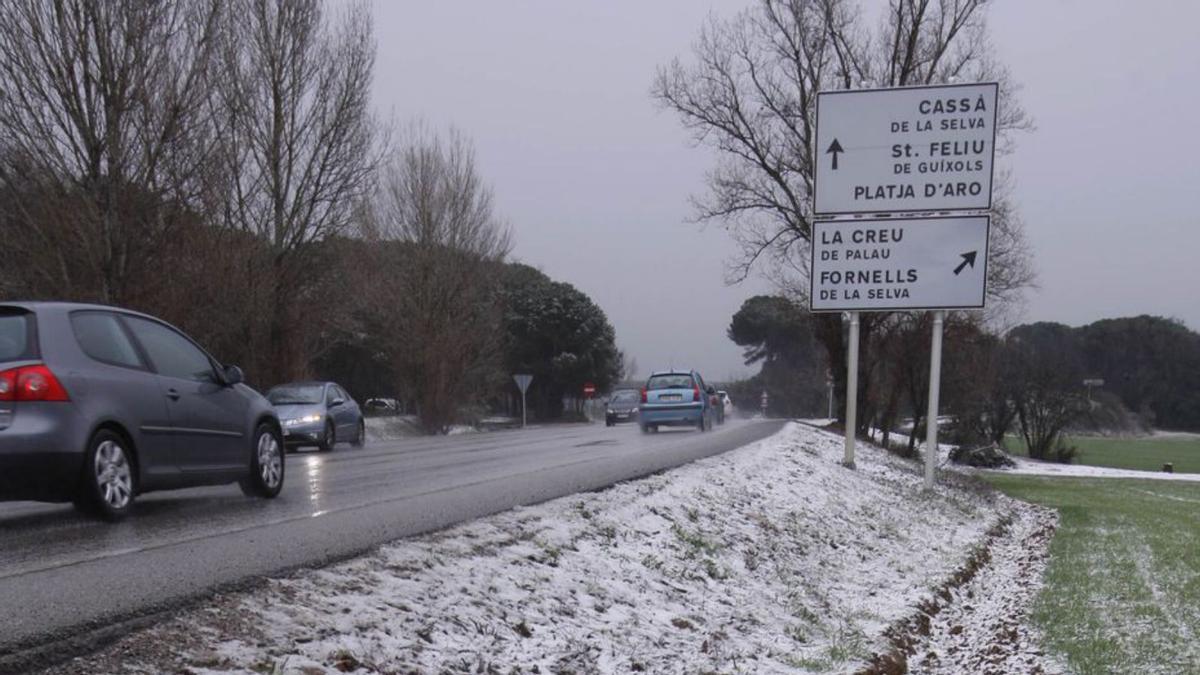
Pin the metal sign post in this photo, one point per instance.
(523, 384)
(851, 390)
(931, 412)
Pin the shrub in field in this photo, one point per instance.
(989, 456)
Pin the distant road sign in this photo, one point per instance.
(913, 149)
(523, 381)
(897, 264)
(589, 389)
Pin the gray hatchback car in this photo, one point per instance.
(318, 414)
(100, 404)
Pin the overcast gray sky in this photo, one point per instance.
(595, 179)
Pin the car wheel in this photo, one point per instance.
(361, 438)
(608, 423)
(266, 464)
(107, 488)
(645, 428)
(329, 439)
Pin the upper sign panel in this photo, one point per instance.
(915, 149)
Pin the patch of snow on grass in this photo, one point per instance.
(985, 629)
(1036, 468)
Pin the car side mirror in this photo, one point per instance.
(711, 391)
(336, 402)
(233, 375)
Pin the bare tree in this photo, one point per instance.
(105, 145)
(750, 93)
(442, 247)
(300, 146)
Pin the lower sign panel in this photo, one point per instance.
(899, 264)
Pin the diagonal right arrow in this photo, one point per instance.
(968, 259)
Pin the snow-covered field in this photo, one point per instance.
(772, 558)
(1036, 468)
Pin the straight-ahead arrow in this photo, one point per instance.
(834, 149)
(968, 259)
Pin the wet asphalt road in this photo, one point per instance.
(65, 578)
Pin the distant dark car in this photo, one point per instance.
(100, 404)
(318, 414)
(676, 398)
(381, 406)
(717, 400)
(622, 407)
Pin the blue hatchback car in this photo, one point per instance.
(676, 399)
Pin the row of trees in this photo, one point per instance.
(218, 163)
(1030, 380)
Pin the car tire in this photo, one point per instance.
(108, 487)
(266, 464)
(361, 438)
(329, 439)
(645, 428)
(608, 423)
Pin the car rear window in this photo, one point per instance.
(16, 336)
(670, 382)
(624, 396)
(101, 337)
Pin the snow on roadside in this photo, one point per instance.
(770, 558)
(399, 427)
(391, 427)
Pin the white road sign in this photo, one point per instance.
(522, 381)
(895, 264)
(914, 149)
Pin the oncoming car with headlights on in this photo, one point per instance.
(622, 407)
(317, 414)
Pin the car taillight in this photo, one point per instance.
(696, 393)
(31, 383)
(8, 385)
(643, 394)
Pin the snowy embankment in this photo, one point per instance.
(770, 558)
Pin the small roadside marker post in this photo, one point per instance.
(523, 384)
